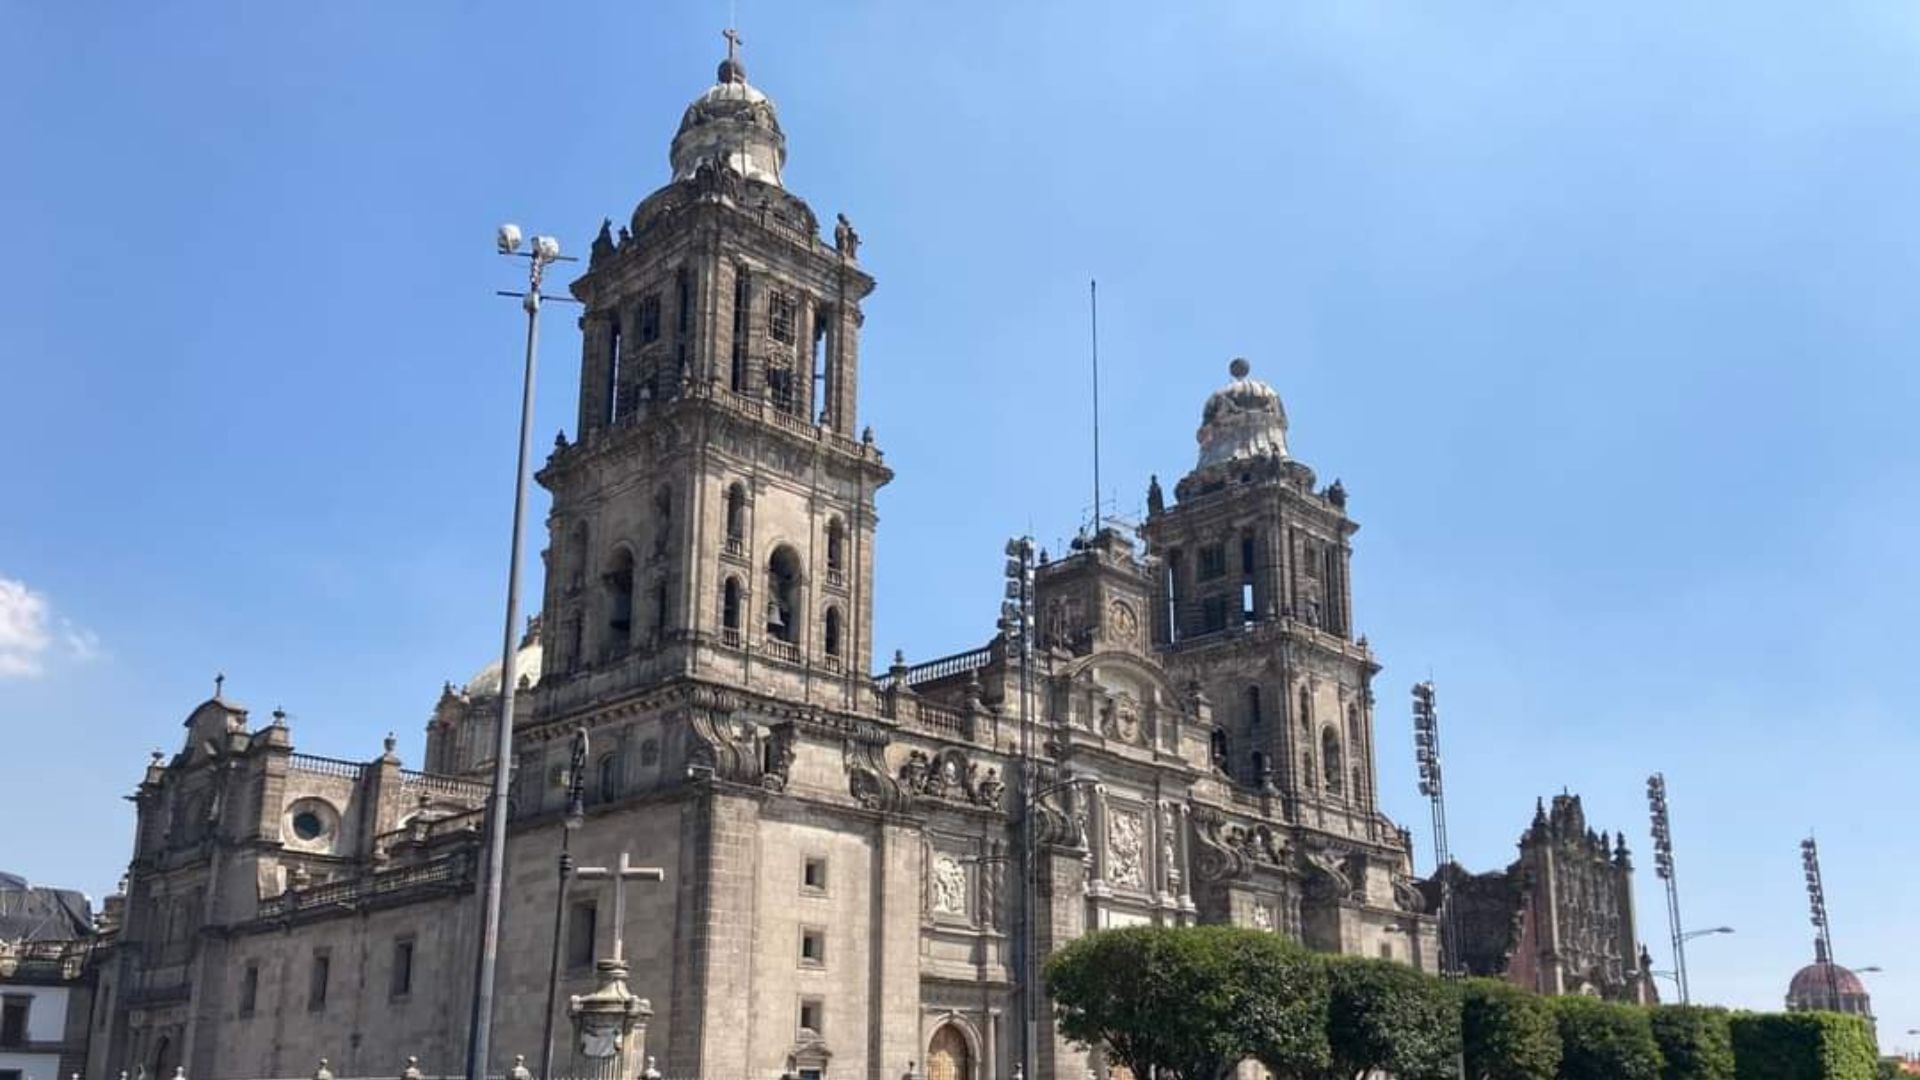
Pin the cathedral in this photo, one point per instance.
(1176, 727)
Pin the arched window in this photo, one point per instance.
(1219, 744)
(948, 1056)
(1260, 773)
(1253, 705)
(1353, 725)
(1330, 759)
(1306, 711)
(833, 632)
(607, 784)
(1359, 786)
(736, 516)
(662, 610)
(619, 589)
(836, 551)
(783, 595)
(730, 611)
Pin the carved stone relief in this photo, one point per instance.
(1126, 844)
(949, 886)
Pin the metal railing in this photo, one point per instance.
(944, 667)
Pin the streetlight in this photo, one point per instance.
(545, 251)
(1017, 616)
(1691, 934)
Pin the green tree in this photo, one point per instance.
(1802, 1046)
(1193, 1002)
(1507, 1033)
(1389, 1017)
(1602, 1040)
(1695, 1042)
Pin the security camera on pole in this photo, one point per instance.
(545, 252)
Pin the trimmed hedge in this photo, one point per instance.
(1385, 1017)
(1507, 1033)
(1802, 1046)
(1695, 1041)
(1601, 1040)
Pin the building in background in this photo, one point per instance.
(47, 940)
(1826, 985)
(842, 848)
(1560, 919)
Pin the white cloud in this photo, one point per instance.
(27, 634)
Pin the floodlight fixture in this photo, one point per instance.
(508, 238)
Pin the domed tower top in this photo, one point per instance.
(731, 121)
(1826, 985)
(1243, 419)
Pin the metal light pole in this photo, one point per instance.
(546, 250)
(1817, 908)
(1017, 615)
(576, 814)
(1426, 745)
(1663, 866)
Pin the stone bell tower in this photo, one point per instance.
(1254, 604)
(714, 515)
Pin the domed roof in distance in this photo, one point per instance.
(1810, 983)
(526, 664)
(1243, 419)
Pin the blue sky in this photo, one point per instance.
(1604, 317)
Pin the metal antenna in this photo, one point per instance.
(1093, 309)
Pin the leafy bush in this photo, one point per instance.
(1802, 1046)
(1507, 1033)
(1695, 1042)
(1193, 1002)
(1389, 1017)
(1603, 1040)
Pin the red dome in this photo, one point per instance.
(1811, 982)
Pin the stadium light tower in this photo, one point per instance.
(1426, 745)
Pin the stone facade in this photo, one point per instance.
(842, 850)
(1560, 920)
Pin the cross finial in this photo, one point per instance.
(734, 42)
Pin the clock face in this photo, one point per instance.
(1123, 623)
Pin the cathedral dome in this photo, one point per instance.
(526, 665)
(1243, 419)
(1810, 984)
(732, 121)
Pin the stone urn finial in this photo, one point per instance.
(519, 1070)
(323, 1072)
(412, 1071)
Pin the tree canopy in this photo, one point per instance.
(1387, 1017)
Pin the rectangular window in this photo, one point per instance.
(780, 317)
(9, 1074)
(1213, 562)
(805, 1074)
(813, 946)
(812, 1012)
(249, 989)
(650, 318)
(580, 934)
(813, 875)
(13, 1020)
(1386, 950)
(1213, 614)
(400, 984)
(683, 300)
(780, 389)
(317, 981)
(1246, 556)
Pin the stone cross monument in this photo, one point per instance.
(610, 1024)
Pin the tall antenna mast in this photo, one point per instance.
(1093, 308)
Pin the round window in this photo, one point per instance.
(308, 826)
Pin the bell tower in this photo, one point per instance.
(715, 514)
(1253, 603)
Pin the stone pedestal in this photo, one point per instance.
(609, 1027)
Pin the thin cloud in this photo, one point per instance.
(27, 633)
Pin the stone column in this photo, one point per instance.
(609, 1027)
